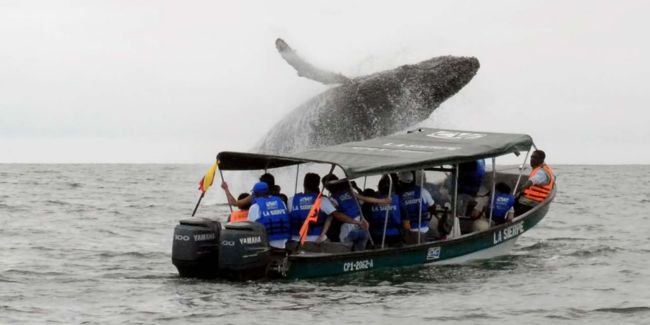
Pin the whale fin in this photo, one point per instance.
(306, 69)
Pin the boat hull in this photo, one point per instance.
(490, 243)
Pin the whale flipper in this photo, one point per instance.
(306, 69)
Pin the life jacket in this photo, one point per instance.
(347, 203)
(301, 204)
(274, 217)
(378, 217)
(502, 203)
(540, 192)
(470, 177)
(410, 202)
(239, 215)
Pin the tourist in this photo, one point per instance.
(377, 215)
(242, 213)
(417, 205)
(343, 206)
(301, 204)
(270, 211)
(539, 185)
(502, 205)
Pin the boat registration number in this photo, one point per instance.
(358, 265)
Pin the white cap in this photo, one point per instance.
(405, 177)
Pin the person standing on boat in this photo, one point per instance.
(418, 205)
(470, 177)
(539, 185)
(299, 208)
(378, 215)
(270, 211)
(344, 207)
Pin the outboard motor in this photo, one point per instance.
(195, 251)
(244, 250)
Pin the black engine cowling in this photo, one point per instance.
(195, 251)
(244, 250)
(202, 249)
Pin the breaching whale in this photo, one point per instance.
(365, 107)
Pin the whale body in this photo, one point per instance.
(365, 107)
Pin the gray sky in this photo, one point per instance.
(178, 81)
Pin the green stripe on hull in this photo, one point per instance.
(301, 267)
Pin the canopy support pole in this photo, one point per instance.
(494, 181)
(521, 169)
(390, 195)
(295, 187)
(365, 178)
(455, 197)
(372, 242)
(420, 206)
(223, 180)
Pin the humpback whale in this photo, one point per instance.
(364, 107)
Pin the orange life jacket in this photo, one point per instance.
(540, 192)
(237, 216)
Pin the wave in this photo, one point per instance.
(595, 251)
(75, 185)
(133, 254)
(30, 273)
(624, 310)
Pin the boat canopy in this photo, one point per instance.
(419, 149)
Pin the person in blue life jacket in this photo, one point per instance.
(503, 204)
(344, 207)
(377, 215)
(270, 211)
(299, 207)
(418, 207)
(470, 177)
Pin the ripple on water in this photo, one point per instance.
(597, 251)
(624, 310)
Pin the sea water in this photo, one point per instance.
(92, 244)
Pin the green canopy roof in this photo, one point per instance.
(419, 149)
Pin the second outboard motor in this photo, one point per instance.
(195, 251)
(244, 250)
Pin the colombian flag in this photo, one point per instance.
(208, 179)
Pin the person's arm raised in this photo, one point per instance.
(373, 200)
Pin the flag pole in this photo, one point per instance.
(205, 183)
(197, 203)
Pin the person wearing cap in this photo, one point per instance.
(245, 202)
(343, 206)
(417, 206)
(270, 211)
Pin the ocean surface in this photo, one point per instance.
(92, 244)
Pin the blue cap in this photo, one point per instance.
(260, 187)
